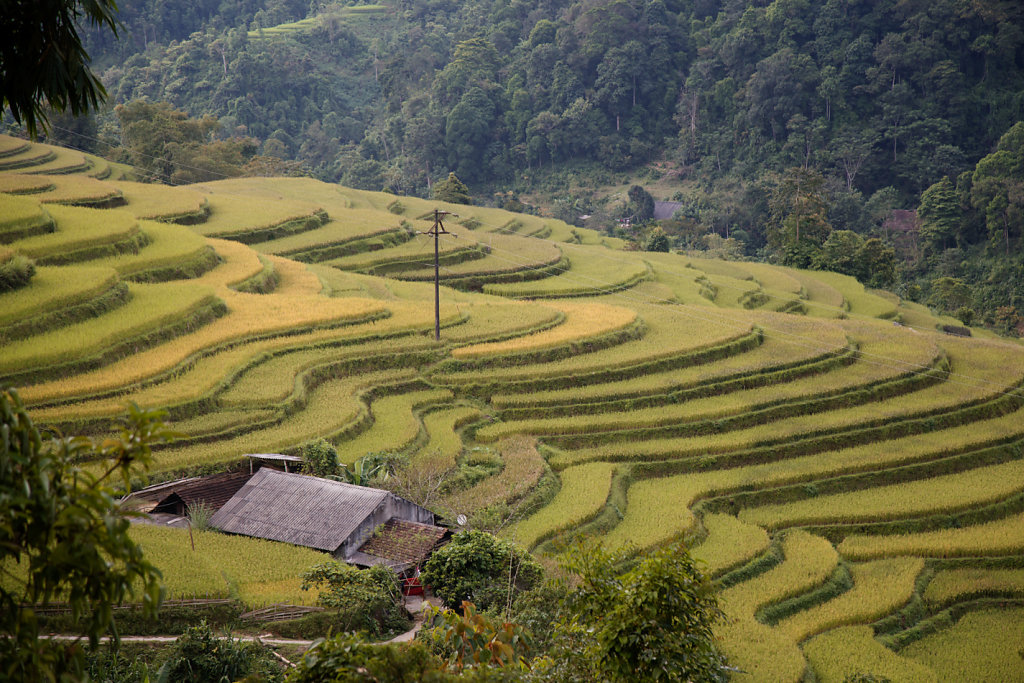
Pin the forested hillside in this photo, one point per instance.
(725, 106)
(882, 94)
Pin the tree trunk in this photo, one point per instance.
(694, 103)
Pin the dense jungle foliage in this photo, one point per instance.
(831, 114)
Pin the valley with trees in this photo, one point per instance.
(774, 435)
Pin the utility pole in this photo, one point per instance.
(437, 231)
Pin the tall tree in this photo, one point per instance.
(997, 187)
(619, 79)
(467, 133)
(850, 149)
(799, 216)
(940, 215)
(641, 204)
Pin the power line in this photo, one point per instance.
(609, 256)
(436, 231)
(878, 360)
(799, 340)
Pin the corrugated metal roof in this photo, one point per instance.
(275, 457)
(404, 542)
(215, 490)
(299, 509)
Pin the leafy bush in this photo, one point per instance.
(480, 568)
(656, 240)
(365, 599)
(320, 458)
(347, 658)
(475, 640)
(964, 314)
(199, 656)
(15, 270)
(652, 623)
(453, 190)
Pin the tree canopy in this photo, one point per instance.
(480, 568)
(453, 190)
(43, 63)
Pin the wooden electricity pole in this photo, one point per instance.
(437, 231)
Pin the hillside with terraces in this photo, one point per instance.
(850, 475)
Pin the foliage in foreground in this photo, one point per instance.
(482, 569)
(199, 656)
(43, 64)
(651, 623)
(348, 659)
(62, 523)
(366, 600)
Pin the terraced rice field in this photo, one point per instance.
(78, 190)
(162, 203)
(347, 15)
(258, 571)
(853, 486)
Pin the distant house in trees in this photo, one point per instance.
(356, 524)
(665, 210)
(903, 228)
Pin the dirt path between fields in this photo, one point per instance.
(414, 604)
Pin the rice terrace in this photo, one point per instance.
(850, 475)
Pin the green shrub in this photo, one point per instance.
(451, 189)
(320, 458)
(15, 270)
(347, 658)
(365, 600)
(651, 623)
(199, 656)
(480, 568)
